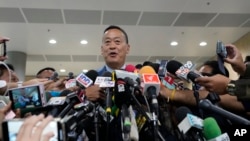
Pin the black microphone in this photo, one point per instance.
(85, 80)
(71, 75)
(185, 72)
(71, 100)
(54, 76)
(189, 125)
(207, 105)
(58, 103)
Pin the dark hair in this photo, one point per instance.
(138, 66)
(3, 67)
(119, 28)
(215, 68)
(47, 68)
(247, 59)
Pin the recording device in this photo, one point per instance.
(27, 96)
(212, 131)
(3, 50)
(221, 54)
(221, 50)
(162, 68)
(54, 76)
(10, 114)
(11, 128)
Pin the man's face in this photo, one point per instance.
(114, 47)
(5, 76)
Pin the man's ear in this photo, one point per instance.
(101, 50)
(128, 49)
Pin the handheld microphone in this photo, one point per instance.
(54, 76)
(185, 72)
(189, 125)
(207, 105)
(85, 80)
(130, 68)
(212, 131)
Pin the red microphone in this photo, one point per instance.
(130, 68)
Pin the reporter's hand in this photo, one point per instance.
(94, 93)
(217, 83)
(234, 57)
(30, 131)
(3, 112)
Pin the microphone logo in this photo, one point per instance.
(151, 78)
(84, 80)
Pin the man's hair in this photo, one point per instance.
(3, 67)
(138, 66)
(247, 59)
(215, 68)
(118, 28)
(47, 68)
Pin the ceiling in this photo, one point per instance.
(151, 26)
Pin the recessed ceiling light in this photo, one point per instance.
(202, 44)
(62, 70)
(52, 41)
(174, 43)
(84, 42)
(84, 70)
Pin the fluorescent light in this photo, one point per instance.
(174, 43)
(62, 70)
(84, 42)
(52, 41)
(202, 44)
(84, 70)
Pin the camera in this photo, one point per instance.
(27, 97)
(11, 128)
(221, 50)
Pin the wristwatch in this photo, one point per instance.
(231, 88)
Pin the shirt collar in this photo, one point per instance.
(111, 70)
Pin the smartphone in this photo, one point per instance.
(3, 51)
(221, 50)
(221, 54)
(27, 97)
(10, 129)
(10, 114)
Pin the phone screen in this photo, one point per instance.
(11, 128)
(25, 97)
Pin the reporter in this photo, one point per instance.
(30, 131)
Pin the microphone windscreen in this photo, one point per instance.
(147, 69)
(107, 74)
(210, 128)
(181, 113)
(130, 68)
(173, 66)
(65, 92)
(92, 74)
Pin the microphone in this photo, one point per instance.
(207, 105)
(189, 125)
(212, 131)
(185, 72)
(71, 100)
(130, 68)
(71, 75)
(168, 82)
(85, 80)
(106, 76)
(54, 76)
